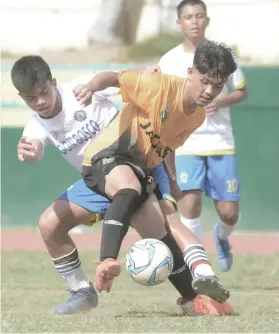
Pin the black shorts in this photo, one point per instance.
(94, 176)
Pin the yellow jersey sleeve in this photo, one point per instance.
(142, 89)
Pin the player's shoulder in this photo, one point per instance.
(81, 80)
(171, 53)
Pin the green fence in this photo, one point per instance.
(27, 189)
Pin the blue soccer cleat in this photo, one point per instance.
(224, 254)
(82, 300)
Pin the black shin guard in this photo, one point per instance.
(181, 277)
(116, 222)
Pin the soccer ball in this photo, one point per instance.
(149, 262)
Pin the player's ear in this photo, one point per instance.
(189, 72)
(54, 82)
(178, 22)
(208, 21)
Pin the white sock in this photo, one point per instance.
(197, 260)
(225, 230)
(69, 267)
(76, 279)
(204, 269)
(194, 225)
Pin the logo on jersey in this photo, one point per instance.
(184, 177)
(164, 115)
(161, 150)
(80, 115)
(78, 137)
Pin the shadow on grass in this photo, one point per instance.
(142, 314)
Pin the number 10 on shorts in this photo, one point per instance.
(232, 185)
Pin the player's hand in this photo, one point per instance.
(106, 271)
(175, 190)
(83, 94)
(212, 107)
(152, 69)
(29, 151)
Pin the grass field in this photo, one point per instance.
(31, 288)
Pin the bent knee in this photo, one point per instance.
(229, 217)
(191, 204)
(50, 224)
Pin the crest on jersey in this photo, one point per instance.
(164, 114)
(80, 115)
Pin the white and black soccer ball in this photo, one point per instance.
(149, 262)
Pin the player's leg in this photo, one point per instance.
(116, 179)
(205, 281)
(224, 189)
(148, 222)
(74, 207)
(127, 185)
(119, 178)
(191, 172)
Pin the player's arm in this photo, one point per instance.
(104, 80)
(170, 169)
(240, 93)
(31, 145)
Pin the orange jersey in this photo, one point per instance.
(150, 124)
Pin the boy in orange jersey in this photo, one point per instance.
(160, 113)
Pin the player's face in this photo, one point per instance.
(42, 98)
(203, 89)
(193, 21)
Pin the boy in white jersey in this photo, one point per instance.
(62, 122)
(206, 162)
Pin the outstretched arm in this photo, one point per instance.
(102, 81)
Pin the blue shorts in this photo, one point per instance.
(81, 195)
(216, 175)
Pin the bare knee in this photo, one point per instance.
(190, 204)
(48, 224)
(229, 217)
(228, 212)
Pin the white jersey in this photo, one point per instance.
(74, 127)
(215, 135)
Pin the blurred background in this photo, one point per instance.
(88, 36)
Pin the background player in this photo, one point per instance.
(206, 161)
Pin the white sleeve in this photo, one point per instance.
(35, 130)
(105, 94)
(237, 80)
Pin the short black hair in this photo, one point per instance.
(215, 60)
(184, 3)
(29, 71)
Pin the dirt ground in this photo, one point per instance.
(88, 56)
(242, 243)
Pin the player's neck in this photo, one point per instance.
(190, 44)
(188, 102)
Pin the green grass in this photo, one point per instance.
(31, 288)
